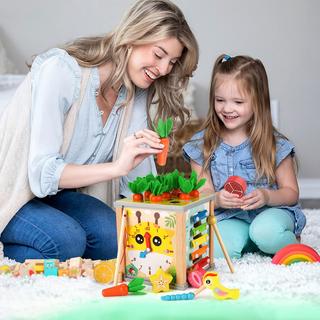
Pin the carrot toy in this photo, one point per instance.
(166, 181)
(175, 183)
(149, 177)
(134, 287)
(156, 191)
(185, 187)
(137, 187)
(194, 193)
(163, 129)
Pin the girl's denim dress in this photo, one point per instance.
(229, 161)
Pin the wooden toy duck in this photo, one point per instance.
(212, 282)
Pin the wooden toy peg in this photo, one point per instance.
(212, 221)
(121, 244)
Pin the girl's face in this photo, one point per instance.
(233, 106)
(151, 61)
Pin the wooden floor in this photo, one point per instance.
(310, 203)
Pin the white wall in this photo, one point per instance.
(284, 34)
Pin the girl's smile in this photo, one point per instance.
(228, 117)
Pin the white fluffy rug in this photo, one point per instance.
(259, 281)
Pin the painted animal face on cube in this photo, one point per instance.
(149, 245)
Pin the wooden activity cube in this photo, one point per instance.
(172, 235)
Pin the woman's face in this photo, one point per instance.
(151, 61)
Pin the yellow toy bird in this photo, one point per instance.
(212, 282)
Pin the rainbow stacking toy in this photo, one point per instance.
(293, 253)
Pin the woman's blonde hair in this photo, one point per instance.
(253, 81)
(147, 21)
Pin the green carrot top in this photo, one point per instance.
(139, 185)
(185, 184)
(194, 181)
(136, 285)
(164, 127)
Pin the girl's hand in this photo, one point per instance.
(255, 199)
(225, 199)
(136, 148)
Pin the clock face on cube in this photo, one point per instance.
(149, 244)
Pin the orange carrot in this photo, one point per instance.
(147, 195)
(137, 197)
(184, 196)
(194, 194)
(116, 291)
(162, 157)
(156, 198)
(175, 193)
(166, 196)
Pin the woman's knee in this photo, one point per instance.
(68, 242)
(235, 236)
(102, 235)
(46, 230)
(272, 229)
(59, 245)
(96, 219)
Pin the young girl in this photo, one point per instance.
(238, 139)
(148, 57)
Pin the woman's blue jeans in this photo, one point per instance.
(68, 224)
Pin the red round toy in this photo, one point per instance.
(236, 185)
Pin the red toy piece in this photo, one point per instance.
(197, 272)
(236, 185)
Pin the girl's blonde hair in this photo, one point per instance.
(147, 21)
(252, 78)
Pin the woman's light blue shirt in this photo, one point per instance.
(56, 78)
(229, 161)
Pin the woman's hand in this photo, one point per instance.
(255, 199)
(136, 148)
(225, 199)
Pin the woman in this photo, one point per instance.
(113, 80)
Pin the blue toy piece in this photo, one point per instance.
(50, 268)
(199, 216)
(178, 296)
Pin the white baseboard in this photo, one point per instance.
(309, 188)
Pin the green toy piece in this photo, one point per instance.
(164, 127)
(137, 187)
(135, 286)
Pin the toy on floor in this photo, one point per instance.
(134, 287)
(236, 185)
(293, 253)
(210, 281)
(173, 235)
(160, 281)
(220, 292)
(101, 271)
(178, 296)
